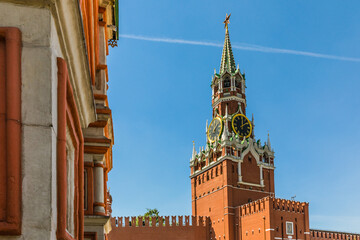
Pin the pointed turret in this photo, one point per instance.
(225, 135)
(226, 113)
(268, 142)
(194, 151)
(253, 126)
(227, 58)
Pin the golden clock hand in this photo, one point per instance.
(243, 124)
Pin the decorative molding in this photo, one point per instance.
(251, 184)
(68, 118)
(10, 131)
(226, 99)
(90, 188)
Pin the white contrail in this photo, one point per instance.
(243, 46)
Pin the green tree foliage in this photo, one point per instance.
(152, 213)
(149, 213)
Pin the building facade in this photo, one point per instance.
(56, 132)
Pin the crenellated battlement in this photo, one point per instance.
(254, 207)
(161, 221)
(289, 205)
(274, 203)
(162, 227)
(324, 235)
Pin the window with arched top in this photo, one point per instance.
(227, 82)
(237, 83)
(266, 159)
(210, 157)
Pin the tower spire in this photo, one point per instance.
(227, 58)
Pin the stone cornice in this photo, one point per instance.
(68, 22)
(228, 98)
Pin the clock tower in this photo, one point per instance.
(233, 168)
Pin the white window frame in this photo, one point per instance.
(292, 228)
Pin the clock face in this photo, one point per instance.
(241, 125)
(215, 129)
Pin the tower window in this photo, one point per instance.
(227, 82)
(265, 159)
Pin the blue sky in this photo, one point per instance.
(160, 95)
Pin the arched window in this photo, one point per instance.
(265, 159)
(227, 82)
(237, 83)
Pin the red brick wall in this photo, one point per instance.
(174, 228)
(267, 217)
(327, 235)
(218, 196)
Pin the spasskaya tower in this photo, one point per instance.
(233, 168)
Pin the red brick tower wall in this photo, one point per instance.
(267, 218)
(217, 195)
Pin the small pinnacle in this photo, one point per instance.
(194, 152)
(268, 141)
